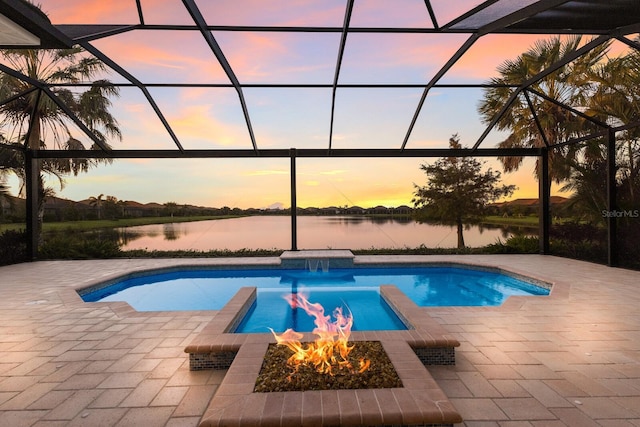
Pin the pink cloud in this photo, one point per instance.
(397, 13)
(278, 57)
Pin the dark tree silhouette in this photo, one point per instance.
(457, 191)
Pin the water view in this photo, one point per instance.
(314, 232)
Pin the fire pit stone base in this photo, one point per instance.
(436, 355)
(204, 361)
(419, 402)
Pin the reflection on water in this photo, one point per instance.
(314, 232)
(171, 231)
(364, 219)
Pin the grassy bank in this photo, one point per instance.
(108, 223)
(525, 221)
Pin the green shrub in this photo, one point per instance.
(13, 247)
(515, 245)
(74, 245)
(214, 253)
(628, 239)
(582, 241)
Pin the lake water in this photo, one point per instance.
(314, 232)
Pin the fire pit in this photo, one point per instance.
(418, 402)
(328, 363)
(277, 375)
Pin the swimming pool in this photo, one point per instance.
(356, 288)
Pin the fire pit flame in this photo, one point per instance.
(331, 349)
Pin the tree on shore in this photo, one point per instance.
(171, 208)
(96, 202)
(4, 189)
(458, 192)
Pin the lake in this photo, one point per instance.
(314, 232)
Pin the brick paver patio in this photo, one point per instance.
(572, 358)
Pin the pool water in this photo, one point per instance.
(369, 310)
(355, 288)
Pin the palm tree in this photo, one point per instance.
(50, 124)
(96, 202)
(33, 120)
(4, 196)
(4, 189)
(568, 85)
(617, 100)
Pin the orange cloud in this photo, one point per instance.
(266, 172)
(198, 128)
(181, 57)
(90, 11)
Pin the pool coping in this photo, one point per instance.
(214, 346)
(362, 261)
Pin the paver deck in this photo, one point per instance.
(572, 358)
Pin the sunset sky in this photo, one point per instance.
(284, 118)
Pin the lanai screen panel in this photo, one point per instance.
(279, 75)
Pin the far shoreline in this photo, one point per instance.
(88, 225)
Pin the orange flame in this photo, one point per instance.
(330, 349)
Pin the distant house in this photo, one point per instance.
(133, 209)
(59, 209)
(402, 210)
(356, 210)
(307, 211)
(380, 210)
(154, 209)
(557, 200)
(331, 210)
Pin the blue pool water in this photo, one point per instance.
(369, 310)
(356, 289)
